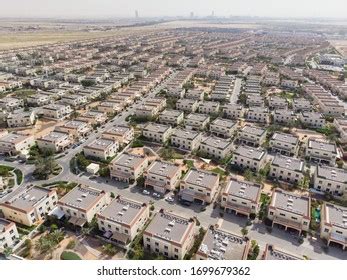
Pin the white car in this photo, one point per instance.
(170, 199)
(146, 192)
(157, 195)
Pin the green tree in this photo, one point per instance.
(44, 166)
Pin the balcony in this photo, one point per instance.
(155, 183)
(288, 223)
(337, 238)
(238, 208)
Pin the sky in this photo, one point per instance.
(153, 8)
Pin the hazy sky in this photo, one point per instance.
(126, 8)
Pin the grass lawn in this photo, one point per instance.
(5, 170)
(219, 171)
(69, 256)
(19, 175)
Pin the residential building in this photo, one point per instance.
(101, 148)
(330, 179)
(312, 119)
(273, 253)
(162, 176)
(252, 136)
(14, 143)
(284, 116)
(301, 105)
(223, 127)
(233, 111)
(258, 114)
(186, 139)
(241, 197)
(289, 210)
(75, 128)
(187, 105)
(199, 185)
(196, 121)
(146, 111)
(29, 206)
(21, 119)
(157, 132)
(322, 152)
(215, 147)
(82, 203)
(56, 111)
(245, 157)
(287, 169)
(8, 234)
(171, 117)
(128, 167)
(123, 134)
(219, 244)
(93, 117)
(284, 144)
(170, 235)
(334, 224)
(122, 220)
(54, 141)
(209, 107)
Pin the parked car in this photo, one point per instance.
(170, 199)
(146, 192)
(156, 195)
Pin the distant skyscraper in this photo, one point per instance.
(136, 14)
(191, 14)
(212, 13)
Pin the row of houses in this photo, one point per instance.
(120, 219)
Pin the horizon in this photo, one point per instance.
(79, 9)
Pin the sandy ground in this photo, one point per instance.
(42, 127)
(304, 135)
(341, 46)
(53, 35)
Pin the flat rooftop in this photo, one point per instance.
(118, 130)
(4, 224)
(335, 215)
(82, 198)
(53, 136)
(123, 210)
(251, 153)
(201, 178)
(163, 168)
(285, 138)
(197, 117)
(244, 189)
(288, 163)
(291, 202)
(331, 173)
(224, 123)
(185, 133)
(170, 227)
(272, 253)
(171, 113)
(216, 142)
(158, 128)
(129, 160)
(254, 130)
(100, 144)
(222, 245)
(319, 145)
(13, 138)
(27, 199)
